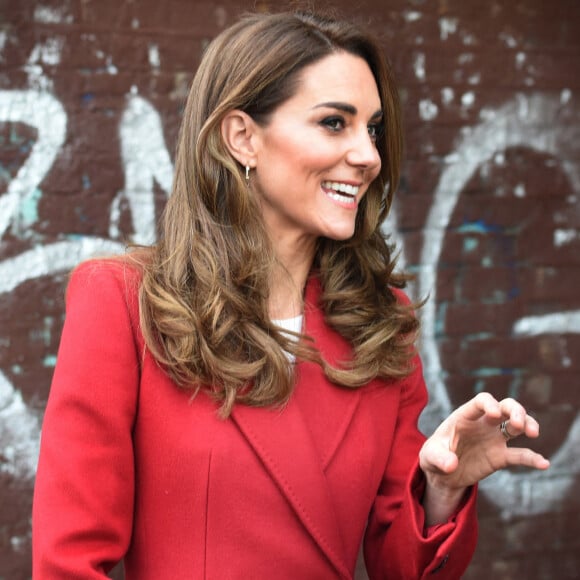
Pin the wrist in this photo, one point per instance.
(440, 502)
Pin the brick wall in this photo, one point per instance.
(488, 216)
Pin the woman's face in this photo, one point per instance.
(317, 154)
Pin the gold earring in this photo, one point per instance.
(248, 174)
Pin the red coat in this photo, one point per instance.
(131, 467)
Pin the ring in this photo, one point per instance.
(504, 431)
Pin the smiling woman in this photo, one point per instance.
(241, 400)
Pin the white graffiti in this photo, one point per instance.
(51, 259)
(45, 113)
(19, 433)
(146, 161)
(558, 322)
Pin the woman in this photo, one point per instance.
(241, 401)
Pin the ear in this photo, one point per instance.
(238, 131)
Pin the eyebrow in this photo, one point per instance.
(346, 108)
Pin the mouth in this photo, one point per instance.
(342, 193)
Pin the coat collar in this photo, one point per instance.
(283, 442)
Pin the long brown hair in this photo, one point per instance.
(204, 295)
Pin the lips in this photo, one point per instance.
(343, 193)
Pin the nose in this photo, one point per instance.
(363, 152)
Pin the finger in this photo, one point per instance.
(532, 427)
(519, 422)
(482, 404)
(515, 413)
(524, 457)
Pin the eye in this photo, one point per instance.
(335, 124)
(375, 130)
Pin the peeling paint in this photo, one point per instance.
(520, 190)
(412, 15)
(565, 237)
(447, 95)
(474, 79)
(47, 54)
(110, 67)
(447, 26)
(428, 110)
(467, 99)
(419, 66)
(51, 15)
(468, 39)
(465, 58)
(508, 40)
(153, 53)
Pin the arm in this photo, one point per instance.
(398, 542)
(83, 499)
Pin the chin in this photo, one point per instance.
(340, 236)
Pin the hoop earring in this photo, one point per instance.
(248, 174)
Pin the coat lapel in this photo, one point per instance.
(283, 442)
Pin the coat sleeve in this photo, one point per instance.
(397, 547)
(84, 490)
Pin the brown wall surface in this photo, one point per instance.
(488, 216)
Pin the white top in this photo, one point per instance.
(293, 324)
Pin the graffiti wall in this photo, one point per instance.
(487, 216)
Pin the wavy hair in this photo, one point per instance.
(205, 289)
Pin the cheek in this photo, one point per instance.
(302, 152)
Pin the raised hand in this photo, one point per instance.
(472, 444)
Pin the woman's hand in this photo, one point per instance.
(470, 445)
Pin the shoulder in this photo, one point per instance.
(112, 270)
(106, 281)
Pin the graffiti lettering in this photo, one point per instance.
(47, 116)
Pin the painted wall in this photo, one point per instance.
(488, 216)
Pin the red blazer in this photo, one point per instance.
(131, 467)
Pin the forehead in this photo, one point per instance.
(342, 77)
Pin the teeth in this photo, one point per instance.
(341, 187)
(342, 198)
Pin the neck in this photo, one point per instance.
(289, 278)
